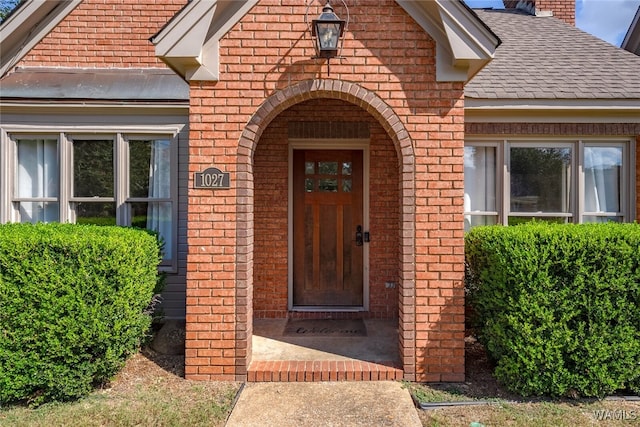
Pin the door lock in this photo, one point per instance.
(362, 237)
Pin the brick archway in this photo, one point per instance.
(384, 114)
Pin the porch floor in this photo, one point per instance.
(276, 357)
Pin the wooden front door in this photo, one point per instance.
(327, 228)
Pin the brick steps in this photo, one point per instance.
(312, 371)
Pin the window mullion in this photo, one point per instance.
(121, 176)
(69, 177)
(627, 182)
(632, 173)
(505, 182)
(64, 153)
(580, 183)
(5, 176)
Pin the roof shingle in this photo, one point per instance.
(544, 58)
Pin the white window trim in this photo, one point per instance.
(65, 136)
(627, 181)
(4, 176)
(173, 199)
(577, 212)
(500, 196)
(13, 162)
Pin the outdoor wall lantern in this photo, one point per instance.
(327, 31)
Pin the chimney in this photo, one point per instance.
(561, 9)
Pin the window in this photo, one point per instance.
(603, 183)
(480, 203)
(540, 182)
(93, 194)
(111, 179)
(513, 181)
(37, 185)
(149, 200)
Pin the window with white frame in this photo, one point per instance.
(513, 181)
(107, 179)
(480, 185)
(37, 189)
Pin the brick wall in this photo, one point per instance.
(271, 181)
(266, 67)
(562, 9)
(384, 216)
(565, 129)
(105, 33)
(270, 209)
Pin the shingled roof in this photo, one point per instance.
(544, 58)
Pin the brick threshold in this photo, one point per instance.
(314, 370)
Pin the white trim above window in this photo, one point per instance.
(558, 180)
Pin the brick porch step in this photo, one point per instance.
(310, 371)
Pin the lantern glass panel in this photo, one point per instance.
(328, 34)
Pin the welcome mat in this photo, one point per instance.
(325, 328)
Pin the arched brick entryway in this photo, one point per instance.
(377, 108)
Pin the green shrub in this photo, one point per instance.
(74, 304)
(558, 306)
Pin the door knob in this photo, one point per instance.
(359, 238)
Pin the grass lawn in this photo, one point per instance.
(541, 413)
(502, 408)
(151, 391)
(145, 393)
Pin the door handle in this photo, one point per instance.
(359, 238)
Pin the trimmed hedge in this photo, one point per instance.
(558, 306)
(74, 304)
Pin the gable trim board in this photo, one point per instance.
(464, 44)
(631, 40)
(27, 25)
(189, 43)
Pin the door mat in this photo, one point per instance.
(325, 328)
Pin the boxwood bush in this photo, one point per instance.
(558, 306)
(74, 304)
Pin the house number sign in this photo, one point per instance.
(212, 178)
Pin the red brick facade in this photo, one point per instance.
(105, 33)
(237, 263)
(391, 84)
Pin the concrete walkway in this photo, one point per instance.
(330, 404)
